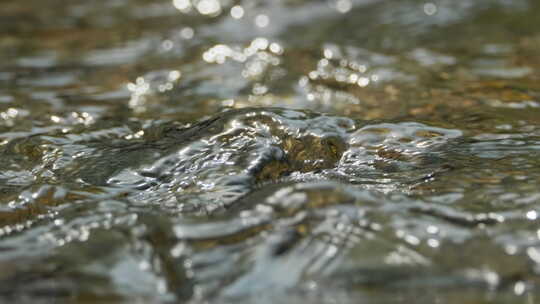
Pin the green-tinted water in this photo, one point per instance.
(287, 151)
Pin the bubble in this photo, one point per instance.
(187, 33)
(430, 9)
(343, 6)
(262, 20)
(237, 12)
(209, 7)
(363, 81)
(276, 48)
(519, 288)
(167, 45)
(182, 4)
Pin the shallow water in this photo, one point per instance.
(286, 151)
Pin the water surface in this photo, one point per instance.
(286, 151)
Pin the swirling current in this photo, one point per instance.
(288, 151)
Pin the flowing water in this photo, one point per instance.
(284, 151)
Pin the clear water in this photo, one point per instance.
(287, 151)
